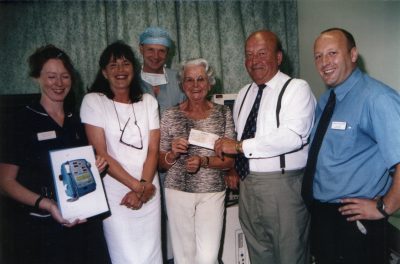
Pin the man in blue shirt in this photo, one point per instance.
(356, 176)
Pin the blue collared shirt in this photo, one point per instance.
(362, 142)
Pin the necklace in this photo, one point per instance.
(116, 112)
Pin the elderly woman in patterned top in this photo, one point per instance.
(194, 185)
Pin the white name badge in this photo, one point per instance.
(202, 139)
(46, 135)
(339, 125)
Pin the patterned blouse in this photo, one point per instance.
(174, 124)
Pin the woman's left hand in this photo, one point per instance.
(101, 163)
(149, 191)
(193, 164)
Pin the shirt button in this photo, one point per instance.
(250, 154)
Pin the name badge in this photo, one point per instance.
(339, 125)
(46, 135)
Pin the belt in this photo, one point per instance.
(288, 173)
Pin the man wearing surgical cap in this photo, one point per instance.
(157, 80)
(162, 83)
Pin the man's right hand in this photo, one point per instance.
(225, 146)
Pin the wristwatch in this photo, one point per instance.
(238, 147)
(204, 161)
(380, 205)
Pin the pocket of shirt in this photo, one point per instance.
(343, 140)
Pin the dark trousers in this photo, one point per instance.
(335, 240)
(37, 240)
(394, 242)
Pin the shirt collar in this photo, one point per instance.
(271, 83)
(39, 109)
(344, 88)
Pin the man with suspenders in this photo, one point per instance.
(273, 119)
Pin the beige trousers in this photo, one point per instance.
(195, 221)
(274, 218)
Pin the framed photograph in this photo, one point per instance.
(79, 188)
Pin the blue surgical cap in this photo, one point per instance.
(155, 35)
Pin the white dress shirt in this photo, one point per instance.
(296, 121)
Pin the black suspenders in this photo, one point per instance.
(278, 109)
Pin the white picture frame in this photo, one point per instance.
(78, 185)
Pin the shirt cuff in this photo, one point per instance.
(248, 148)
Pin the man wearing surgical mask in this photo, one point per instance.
(162, 83)
(157, 80)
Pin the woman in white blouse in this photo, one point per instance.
(122, 124)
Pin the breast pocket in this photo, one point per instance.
(343, 139)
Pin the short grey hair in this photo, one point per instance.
(197, 62)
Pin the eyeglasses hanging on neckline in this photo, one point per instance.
(125, 137)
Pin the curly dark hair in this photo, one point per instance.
(115, 51)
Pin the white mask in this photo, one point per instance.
(154, 79)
